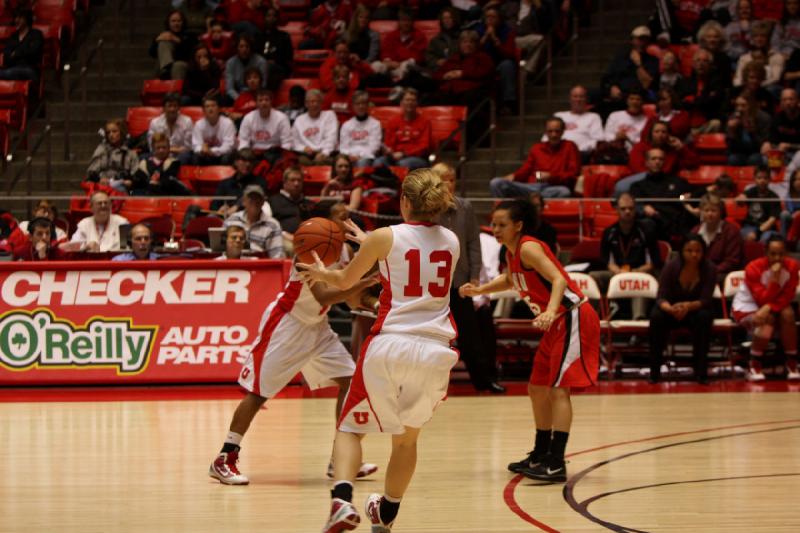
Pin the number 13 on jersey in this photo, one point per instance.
(438, 267)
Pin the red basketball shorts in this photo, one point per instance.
(569, 352)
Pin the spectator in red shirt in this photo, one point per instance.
(403, 48)
(677, 155)
(220, 45)
(326, 24)
(341, 56)
(497, 40)
(466, 76)
(551, 168)
(247, 16)
(408, 137)
(39, 246)
(246, 102)
(668, 110)
(340, 99)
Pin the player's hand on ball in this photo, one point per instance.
(312, 272)
(544, 320)
(354, 233)
(468, 290)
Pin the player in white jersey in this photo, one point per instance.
(294, 336)
(404, 368)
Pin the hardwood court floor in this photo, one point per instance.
(654, 462)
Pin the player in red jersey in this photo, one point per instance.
(568, 353)
(404, 368)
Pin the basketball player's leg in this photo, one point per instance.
(539, 393)
(343, 384)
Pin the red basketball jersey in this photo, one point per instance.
(535, 289)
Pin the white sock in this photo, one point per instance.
(390, 499)
(233, 438)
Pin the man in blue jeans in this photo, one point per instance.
(551, 168)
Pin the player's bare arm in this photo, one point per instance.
(533, 256)
(500, 283)
(329, 296)
(376, 246)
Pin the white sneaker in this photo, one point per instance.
(365, 470)
(792, 374)
(373, 509)
(224, 469)
(755, 375)
(344, 517)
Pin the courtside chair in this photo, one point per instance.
(626, 286)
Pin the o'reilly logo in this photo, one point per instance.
(37, 339)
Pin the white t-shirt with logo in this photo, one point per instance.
(319, 134)
(361, 138)
(263, 134)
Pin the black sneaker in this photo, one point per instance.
(548, 469)
(530, 461)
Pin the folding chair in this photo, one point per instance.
(626, 286)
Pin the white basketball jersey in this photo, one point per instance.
(416, 278)
(298, 300)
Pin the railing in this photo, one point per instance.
(46, 138)
(69, 88)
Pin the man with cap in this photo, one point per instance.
(141, 241)
(263, 232)
(243, 162)
(632, 68)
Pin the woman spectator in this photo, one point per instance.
(753, 77)
(173, 47)
(668, 110)
(344, 184)
(158, 174)
(361, 40)
(220, 45)
(497, 40)
(343, 56)
(786, 37)
(711, 36)
(203, 77)
(725, 247)
(677, 156)
(445, 43)
(253, 80)
(671, 77)
(760, 51)
(685, 292)
(113, 163)
(747, 129)
(738, 31)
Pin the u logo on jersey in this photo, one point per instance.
(361, 417)
(245, 372)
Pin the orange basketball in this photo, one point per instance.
(318, 235)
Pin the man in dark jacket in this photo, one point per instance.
(669, 219)
(234, 186)
(276, 47)
(631, 69)
(22, 56)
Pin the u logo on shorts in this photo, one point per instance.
(361, 417)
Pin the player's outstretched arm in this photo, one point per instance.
(375, 247)
(500, 283)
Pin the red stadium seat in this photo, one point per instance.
(56, 13)
(179, 208)
(153, 91)
(564, 216)
(206, 179)
(227, 50)
(294, 9)
(308, 62)
(52, 45)
(768, 9)
(14, 96)
(162, 226)
(704, 175)
(599, 180)
(735, 212)
(198, 227)
(282, 94)
(445, 120)
(597, 216)
(382, 27)
(711, 148)
(296, 30)
(193, 112)
(138, 119)
(136, 209)
(385, 114)
(586, 251)
(5, 120)
(315, 178)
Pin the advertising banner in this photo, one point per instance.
(131, 322)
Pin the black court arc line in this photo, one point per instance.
(582, 507)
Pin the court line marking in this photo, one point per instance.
(508, 491)
(582, 508)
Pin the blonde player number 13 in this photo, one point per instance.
(442, 258)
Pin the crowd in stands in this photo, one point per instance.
(699, 68)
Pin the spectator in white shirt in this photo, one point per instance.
(214, 136)
(582, 127)
(626, 126)
(176, 126)
(99, 232)
(314, 133)
(360, 137)
(265, 130)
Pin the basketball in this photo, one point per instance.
(318, 235)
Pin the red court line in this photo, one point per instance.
(508, 491)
